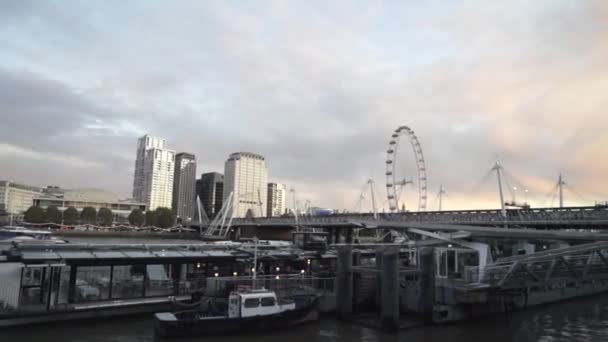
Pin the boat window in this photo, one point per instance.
(251, 303)
(127, 282)
(92, 283)
(159, 282)
(268, 301)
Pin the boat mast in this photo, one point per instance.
(255, 262)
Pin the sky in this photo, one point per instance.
(317, 87)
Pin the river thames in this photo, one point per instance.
(579, 320)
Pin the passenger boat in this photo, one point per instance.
(22, 234)
(247, 311)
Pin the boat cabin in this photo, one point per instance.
(256, 303)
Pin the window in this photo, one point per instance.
(92, 283)
(251, 303)
(128, 281)
(268, 301)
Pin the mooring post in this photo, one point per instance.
(426, 282)
(344, 291)
(390, 290)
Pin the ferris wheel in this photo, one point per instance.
(394, 180)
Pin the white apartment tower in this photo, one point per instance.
(154, 168)
(277, 194)
(246, 177)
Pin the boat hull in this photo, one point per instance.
(193, 326)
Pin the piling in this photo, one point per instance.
(427, 283)
(389, 316)
(344, 291)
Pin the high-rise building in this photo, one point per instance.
(246, 176)
(153, 177)
(277, 194)
(184, 186)
(211, 186)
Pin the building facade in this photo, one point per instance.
(277, 195)
(154, 172)
(184, 186)
(89, 197)
(211, 192)
(246, 177)
(15, 199)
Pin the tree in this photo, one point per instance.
(105, 217)
(34, 215)
(88, 215)
(70, 216)
(151, 219)
(136, 217)
(165, 217)
(53, 214)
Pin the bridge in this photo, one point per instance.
(590, 217)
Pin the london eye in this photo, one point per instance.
(396, 174)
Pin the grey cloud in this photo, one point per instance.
(318, 94)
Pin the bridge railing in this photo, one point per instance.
(524, 216)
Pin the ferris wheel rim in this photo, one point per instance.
(391, 160)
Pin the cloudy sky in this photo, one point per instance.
(315, 86)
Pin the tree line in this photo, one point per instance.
(161, 217)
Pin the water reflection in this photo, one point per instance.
(581, 320)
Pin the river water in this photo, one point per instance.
(578, 320)
(584, 319)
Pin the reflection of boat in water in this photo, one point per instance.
(22, 234)
(247, 311)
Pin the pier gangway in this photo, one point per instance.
(585, 263)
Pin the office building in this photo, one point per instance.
(88, 197)
(154, 171)
(277, 194)
(246, 177)
(15, 199)
(184, 186)
(210, 191)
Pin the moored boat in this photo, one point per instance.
(255, 310)
(21, 234)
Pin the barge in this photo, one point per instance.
(44, 283)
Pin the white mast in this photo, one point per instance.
(295, 208)
(498, 168)
(560, 186)
(371, 188)
(255, 261)
(441, 193)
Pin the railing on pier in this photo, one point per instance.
(282, 284)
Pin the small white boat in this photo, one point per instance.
(21, 234)
(247, 311)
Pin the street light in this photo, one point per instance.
(526, 196)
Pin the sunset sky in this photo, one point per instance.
(317, 87)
